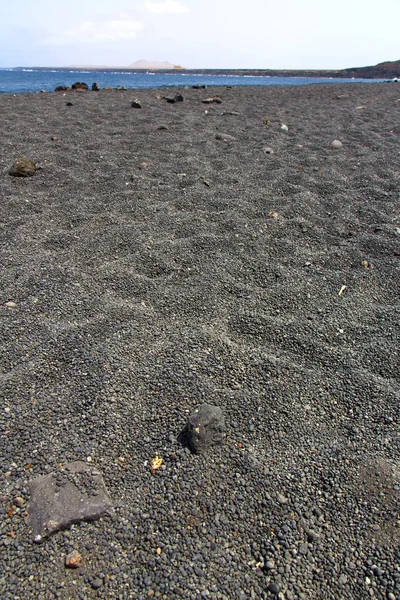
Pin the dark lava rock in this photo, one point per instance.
(199, 86)
(173, 99)
(23, 167)
(75, 493)
(273, 588)
(80, 85)
(205, 428)
(95, 86)
(62, 88)
(136, 104)
(97, 583)
(69, 104)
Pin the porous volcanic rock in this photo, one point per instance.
(205, 428)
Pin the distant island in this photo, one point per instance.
(152, 65)
(384, 70)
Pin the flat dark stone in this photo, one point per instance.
(74, 493)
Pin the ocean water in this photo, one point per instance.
(12, 81)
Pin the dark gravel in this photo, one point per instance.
(161, 258)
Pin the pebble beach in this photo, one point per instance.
(241, 252)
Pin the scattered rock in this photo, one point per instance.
(23, 167)
(365, 264)
(225, 137)
(108, 87)
(121, 88)
(199, 86)
(162, 128)
(80, 85)
(231, 112)
(303, 549)
(281, 499)
(284, 127)
(73, 560)
(62, 88)
(205, 428)
(11, 304)
(273, 588)
(68, 104)
(95, 87)
(268, 150)
(312, 536)
(97, 583)
(74, 493)
(136, 103)
(215, 99)
(337, 144)
(173, 99)
(18, 501)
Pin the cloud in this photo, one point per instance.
(114, 30)
(167, 7)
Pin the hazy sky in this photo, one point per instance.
(201, 33)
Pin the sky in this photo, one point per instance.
(230, 34)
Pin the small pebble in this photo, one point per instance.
(73, 560)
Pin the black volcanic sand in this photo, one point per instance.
(145, 271)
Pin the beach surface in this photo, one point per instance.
(181, 253)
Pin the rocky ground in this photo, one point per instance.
(184, 253)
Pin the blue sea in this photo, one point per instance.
(31, 80)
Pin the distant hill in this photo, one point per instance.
(153, 65)
(382, 70)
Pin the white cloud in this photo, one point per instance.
(167, 6)
(114, 30)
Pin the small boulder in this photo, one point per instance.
(205, 427)
(336, 144)
(80, 85)
(136, 103)
(62, 88)
(214, 99)
(73, 560)
(284, 127)
(178, 98)
(68, 104)
(108, 87)
(170, 99)
(121, 88)
(23, 167)
(268, 150)
(95, 87)
(199, 86)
